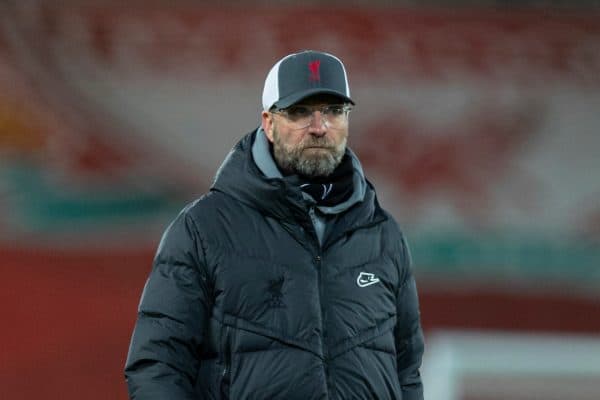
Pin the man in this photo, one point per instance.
(287, 280)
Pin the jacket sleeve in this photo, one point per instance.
(163, 355)
(408, 332)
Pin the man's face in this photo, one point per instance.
(313, 151)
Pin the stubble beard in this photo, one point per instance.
(312, 163)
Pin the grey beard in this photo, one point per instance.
(292, 160)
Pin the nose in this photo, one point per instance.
(317, 125)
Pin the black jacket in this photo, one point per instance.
(243, 302)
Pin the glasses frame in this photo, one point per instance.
(346, 108)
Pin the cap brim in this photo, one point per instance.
(296, 97)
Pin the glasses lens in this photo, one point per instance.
(333, 116)
(299, 116)
(336, 116)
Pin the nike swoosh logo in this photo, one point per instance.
(366, 279)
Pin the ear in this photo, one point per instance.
(267, 124)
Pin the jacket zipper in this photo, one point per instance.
(319, 264)
(225, 351)
(318, 261)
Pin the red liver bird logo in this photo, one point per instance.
(314, 68)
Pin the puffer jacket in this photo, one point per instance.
(244, 303)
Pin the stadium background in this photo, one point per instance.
(478, 124)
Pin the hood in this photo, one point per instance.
(267, 191)
(239, 177)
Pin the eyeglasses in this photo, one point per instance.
(334, 116)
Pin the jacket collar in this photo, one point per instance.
(264, 160)
(250, 175)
